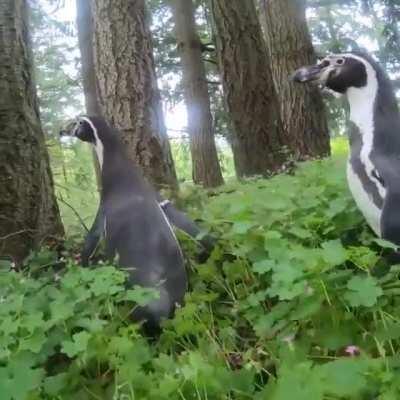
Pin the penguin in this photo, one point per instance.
(175, 217)
(133, 224)
(373, 167)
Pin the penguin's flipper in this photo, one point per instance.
(389, 172)
(93, 237)
(181, 221)
(390, 219)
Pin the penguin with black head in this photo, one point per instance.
(133, 223)
(373, 169)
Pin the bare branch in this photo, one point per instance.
(75, 212)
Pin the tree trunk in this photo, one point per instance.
(301, 106)
(29, 214)
(248, 88)
(84, 22)
(205, 165)
(127, 85)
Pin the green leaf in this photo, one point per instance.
(62, 309)
(6, 265)
(345, 378)
(287, 291)
(53, 385)
(242, 227)
(140, 295)
(77, 345)
(121, 345)
(264, 266)
(300, 232)
(18, 380)
(388, 332)
(363, 291)
(363, 257)
(34, 343)
(307, 307)
(297, 382)
(33, 321)
(9, 326)
(334, 253)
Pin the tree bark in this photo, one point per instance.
(29, 214)
(205, 165)
(248, 88)
(127, 85)
(301, 106)
(84, 21)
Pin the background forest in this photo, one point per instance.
(293, 302)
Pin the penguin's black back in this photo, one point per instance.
(136, 228)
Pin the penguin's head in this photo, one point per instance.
(337, 72)
(94, 130)
(83, 128)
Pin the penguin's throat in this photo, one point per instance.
(362, 104)
(99, 149)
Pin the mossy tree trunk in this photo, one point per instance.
(289, 46)
(248, 88)
(205, 165)
(29, 215)
(127, 85)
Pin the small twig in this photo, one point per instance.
(75, 212)
(17, 233)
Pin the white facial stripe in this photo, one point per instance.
(164, 203)
(75, 129)
(325, 74)
(99, 148)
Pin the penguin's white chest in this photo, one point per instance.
(362, 175)
(364, 202)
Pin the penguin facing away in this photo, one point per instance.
(133, 223)
(373, 168)
(176, 218)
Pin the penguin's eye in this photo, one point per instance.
(340, 61)
(324, 63)
(80, 122)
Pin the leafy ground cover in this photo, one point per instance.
(294, 303)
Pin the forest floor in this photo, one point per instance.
(295, 302)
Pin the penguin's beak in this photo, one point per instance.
(308, 74)
(68, 129)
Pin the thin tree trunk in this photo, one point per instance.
(127, 85)
(301, 106)
(29, 214)
(84, 22)
(248, 88)
(206, 169)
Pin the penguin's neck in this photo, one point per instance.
(111, 147)
(99, 149)
(374, 111)
(118, 171)
(362, 105)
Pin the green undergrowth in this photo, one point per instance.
(294, 303)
